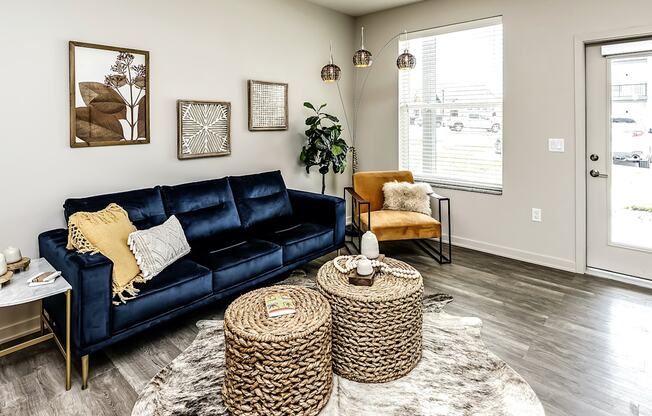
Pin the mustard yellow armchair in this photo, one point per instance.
(368, 214)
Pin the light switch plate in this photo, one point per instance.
(556, 145)
(536, 215)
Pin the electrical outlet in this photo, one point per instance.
(536, 214)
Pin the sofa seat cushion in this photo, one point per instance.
(391, 225)
(240, 262)
(301, 240)
(179, 284)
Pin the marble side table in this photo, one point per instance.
(17, 292)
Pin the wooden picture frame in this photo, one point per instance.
(203, 129)
(109, 95)
(268, 105)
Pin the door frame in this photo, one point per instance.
(580, 43)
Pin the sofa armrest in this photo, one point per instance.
(321, 209)
(90, 277)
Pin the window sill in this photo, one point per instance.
(460, 187)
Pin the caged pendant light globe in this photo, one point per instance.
(362, 57)
(330, 72)
(406, 60)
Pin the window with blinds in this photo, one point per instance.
(451, 106)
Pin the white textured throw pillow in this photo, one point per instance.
(158, 247)
(406, 196)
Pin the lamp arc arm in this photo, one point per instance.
(346, 116)
(358, 102)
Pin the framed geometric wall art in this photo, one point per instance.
(109, 95)
(204, 129)
(268, 106)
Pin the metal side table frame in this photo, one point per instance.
(17, 292)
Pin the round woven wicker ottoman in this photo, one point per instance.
(282, 365)
(376, 329)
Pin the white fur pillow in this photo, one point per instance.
(158, 247)
(406, 196)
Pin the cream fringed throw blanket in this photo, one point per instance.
(106, 232)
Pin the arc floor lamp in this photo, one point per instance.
(362, 58)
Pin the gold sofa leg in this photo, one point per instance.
(84, 370)
(339, 252)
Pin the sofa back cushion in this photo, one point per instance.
(262, 199)
(205, 209)
(144, 206)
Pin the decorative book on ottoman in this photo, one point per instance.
(279, 304)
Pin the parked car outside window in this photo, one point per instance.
(475, 121)
(630, 144)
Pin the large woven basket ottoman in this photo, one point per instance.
(282, 365)
(376, 329)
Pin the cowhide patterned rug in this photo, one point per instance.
(457, 375)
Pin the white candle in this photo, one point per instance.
(364, 267)
(12, 255)
(369, 245)
(3, 264)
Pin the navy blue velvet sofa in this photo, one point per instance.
(243, 230)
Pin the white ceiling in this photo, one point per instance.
(361, 7)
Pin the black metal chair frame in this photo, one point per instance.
(434, 249)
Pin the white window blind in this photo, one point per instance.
(451, 106)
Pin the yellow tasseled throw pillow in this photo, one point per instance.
(106, 232)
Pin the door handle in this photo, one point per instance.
(597, 174)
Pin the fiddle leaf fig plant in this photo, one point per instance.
(325, 147)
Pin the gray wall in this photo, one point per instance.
(538, 104)
(200, 49)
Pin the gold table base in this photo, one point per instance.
(45, 323)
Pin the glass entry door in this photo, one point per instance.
(619, 152)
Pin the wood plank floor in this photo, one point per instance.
(584, 344)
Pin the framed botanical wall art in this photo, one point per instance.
(204, 129)
(268, 106)
(109, 95)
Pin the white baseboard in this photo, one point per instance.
(19, 329)
(512, 253)
(516, 254)
(604, 274)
